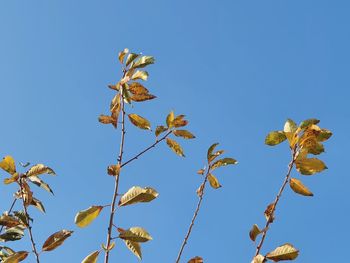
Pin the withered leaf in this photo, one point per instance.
(284, 252)
(175, 147)
(92, 257)
(139, 121)
(135, 234)
(298, 187)
(56, 239)
(196, 260)
(138, 194)
(184, 134)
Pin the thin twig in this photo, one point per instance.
(201, 194)
(147, 149)
(116, 183)
(28, 221)
(10, 210)
(274, 204)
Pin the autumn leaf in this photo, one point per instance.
(134, 247)
(39, 169)
(179, 121)
(160, 129)
(13, 233)
(210, 151)
(175, 147)
(85, 217)
(184, 134)
(131, 57)
(170, 119)
(140, 75)
(122, 54)
(38, 204)
(254, 232)
(16, 257)
(213, 181)
(139, 121)
(308, 122)
(113, 170)
(284, 252)
(143, 62)
(269, 212)
(109, 248)
(137, 194)
(258, 259)
(56, 240)
(91, 258)
(196, 260)
(298, 187)
(223, 162)
(37, 181)
(324, 135)
(309, 166)
(275, 137)
(8, 165)
(135, 234)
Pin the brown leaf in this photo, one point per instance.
(269, 212)
(196, 260)
(184, 134)
(56, 239)
(298, 187)
(175, 147)
(284, 252)
(113, 170)
(139, 121)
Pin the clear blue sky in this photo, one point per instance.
(237, 69)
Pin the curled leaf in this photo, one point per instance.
(210, 151)
(175, 147)
(139, 121)
(122, 54)
(196, 260)
(134, 247)
(39, 169)
(140, 75)
(56, 239)
(179, 121)
(85, 217)
(214, 182)
(254, 232)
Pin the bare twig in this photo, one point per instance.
(147, 149)
(274, 204)
(28, 221)
(116, 182)
(10, 210)
(201, 194)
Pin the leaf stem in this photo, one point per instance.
(28, 221)
(201, 194)
(146, 149)
(274, 204)
(116, 182)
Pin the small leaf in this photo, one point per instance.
(143, 62)
(113, 170)
(85, 217)
(175, 147)
(37, 181)
(284, 252)
(111, 246)
(9, 221)
(196, 260)
(269, 212)
(170, 119)
(39, 169)
(324, 135)
(200, 189)
(104, 119)
(275, 137)
(140, 75)
(259, 259)
(91, 258)
(309, 166)
(139, 121)
(160, 129)
(8, 164)
(254, 232)
(56, 239)
(24, 165)
(134, 247)
(290, 126)
(179, 121)
(135, 234)
(137, 194)
(13, 233)
(307, 123)
(213, 181)
(122, 54)
(210, 151)
(131, 57)
(38, 204)
(316, 149)
(184, 134)
(16, 257)
(223, 162)
(298, 187)
(201, 171)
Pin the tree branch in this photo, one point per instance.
(201, 194)
(274, 204)
(116, 182)
(147, 149)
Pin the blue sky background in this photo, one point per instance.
(237, 69)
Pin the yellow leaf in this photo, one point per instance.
(160, 129)
(56, 239)
(284, 252)
(143, 62)
(213, 181)
(275, 137)
(91, 258)
(324, 135)
(298, 187)
(85, 217)
(308, 122)
(309, 166)
(223, 162)
(16, 257)
(140, 75)
(254, 232)
(104, 119)
(170, 119)
(135, 234)
(139, 121)
(8, 164)
(179, 121)
(184, 134)
(196, 260)
(122, 54)
(131, 57)
(111, 246)
(12, 179)
(289, 129)
(134, 247)
(210, 152)
(137, 194)
(39, 169)
(175, 147)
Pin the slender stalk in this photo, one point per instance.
(116, 182)
(194, 216)
(11, 207)
(274, 204)
(29, 226)
(147, 149)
